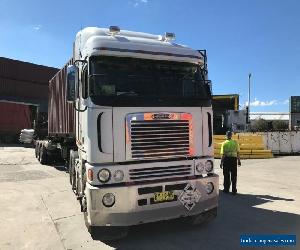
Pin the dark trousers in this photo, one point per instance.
(230, 173)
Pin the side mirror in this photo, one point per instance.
(72, 82)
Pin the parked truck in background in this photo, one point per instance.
(131, 116)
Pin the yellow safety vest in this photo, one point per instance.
(230, 148)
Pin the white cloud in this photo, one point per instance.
(258, 103)
(285, 102)
(37, 27)
(136, 3)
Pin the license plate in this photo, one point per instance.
(164, 196)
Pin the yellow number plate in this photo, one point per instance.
(164, 196)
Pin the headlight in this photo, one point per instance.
(200, 167)
(104, 175)
(209, 166)
(118, 175)
(209, 187)
(108, 200)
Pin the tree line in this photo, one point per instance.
(261, 125)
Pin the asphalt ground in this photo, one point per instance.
(38, 210)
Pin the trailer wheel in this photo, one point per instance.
(43, 155)
(37, 149)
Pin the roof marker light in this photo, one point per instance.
(113, 30)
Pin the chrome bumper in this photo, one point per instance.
(134, 207)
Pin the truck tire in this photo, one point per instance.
(43, 155)
(72, 173)
(202, 218)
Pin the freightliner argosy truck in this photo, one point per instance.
(131, 116)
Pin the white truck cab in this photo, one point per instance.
(143, 144)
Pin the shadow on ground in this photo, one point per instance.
(59, 165)
(237, 215)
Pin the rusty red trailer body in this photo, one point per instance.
(14, 117)
(61, 114)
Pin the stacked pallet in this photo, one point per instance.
(251, 146)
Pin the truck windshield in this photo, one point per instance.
(124, 81)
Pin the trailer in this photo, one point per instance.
(130, 114)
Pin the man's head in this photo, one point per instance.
(228, 134)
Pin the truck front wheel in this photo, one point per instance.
(72, 173)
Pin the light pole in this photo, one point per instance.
(249, 89)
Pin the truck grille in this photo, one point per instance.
(158, 173)
(159, 138)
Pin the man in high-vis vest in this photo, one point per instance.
(230, 152)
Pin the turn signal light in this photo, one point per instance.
(90, 175)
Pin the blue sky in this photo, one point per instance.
(257, 36)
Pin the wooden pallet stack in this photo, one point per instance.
(251, 146)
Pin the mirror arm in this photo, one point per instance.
(76, 62)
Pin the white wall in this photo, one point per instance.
(283, 142)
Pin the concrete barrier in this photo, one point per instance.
(252, 146)
(282, 142)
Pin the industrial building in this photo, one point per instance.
(294, 123)
(270, 116)
(228, 116)
(221, 105)
(23, 90)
